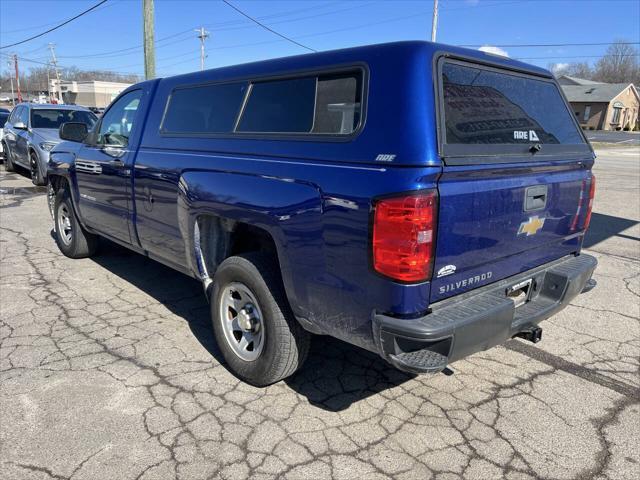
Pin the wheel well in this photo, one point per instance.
(58, 182)
(217, 238)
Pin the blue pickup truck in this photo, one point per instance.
(421, 201)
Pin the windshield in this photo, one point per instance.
(52, 118)
(3, 118)
(486, 106)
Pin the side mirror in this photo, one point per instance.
(73, 131)
(20, 126)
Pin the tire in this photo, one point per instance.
(51, 199)
(284, 344)
(72, 240)
(8, 164)
(36, 175)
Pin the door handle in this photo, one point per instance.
(535, 198)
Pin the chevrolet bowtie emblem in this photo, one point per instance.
(531, 226)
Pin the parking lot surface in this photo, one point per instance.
(621, 138)
(109, 370)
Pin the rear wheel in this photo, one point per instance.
(36, 176)
(72, 240)
(253, 324)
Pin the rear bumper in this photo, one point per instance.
(462, 325)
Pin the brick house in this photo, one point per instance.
(602, 106)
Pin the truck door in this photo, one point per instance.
(103, 168)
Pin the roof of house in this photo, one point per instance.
(576, 81)
(601, 92)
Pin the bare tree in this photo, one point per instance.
(579, 70)
(618, 65)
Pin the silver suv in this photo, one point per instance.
(32, 131)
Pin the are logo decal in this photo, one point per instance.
(524, 135)
(385, 157)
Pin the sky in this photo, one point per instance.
(110, 37)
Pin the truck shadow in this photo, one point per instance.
(335, 375)
(603, 227)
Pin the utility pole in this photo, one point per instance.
(203, 35)
(48, 85)
(13, 98)
(434, 23)
(149, 41)
(54, 61)
(15, 63)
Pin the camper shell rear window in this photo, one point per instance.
(323, 104)
(486, 110)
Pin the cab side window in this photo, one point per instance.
(117, 123)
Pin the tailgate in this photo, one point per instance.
(486, 232)
(517, 176)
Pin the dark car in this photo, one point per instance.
(97, 110)
(3, 119)
(418, 200)
(32, 131)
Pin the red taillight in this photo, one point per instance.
(582, 201)
(404, 234)
(592, 193)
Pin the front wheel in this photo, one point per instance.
(36, 176)
(8, 164)
(254, 327)
(51, 200)
(73, 240)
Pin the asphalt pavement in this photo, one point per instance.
(621, 138)
(109, 370)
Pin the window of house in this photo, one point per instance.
(587, 113)
(616, 115)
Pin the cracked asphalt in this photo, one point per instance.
(109, 370)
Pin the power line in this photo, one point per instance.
(267, 28)
(31, 60)
(576, 56)
(37, 27)
(222, 26)
(516, 45)
(219, 27)
(243, 24)
(116, 53)
(56, 27)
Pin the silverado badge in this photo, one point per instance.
(531, 226)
